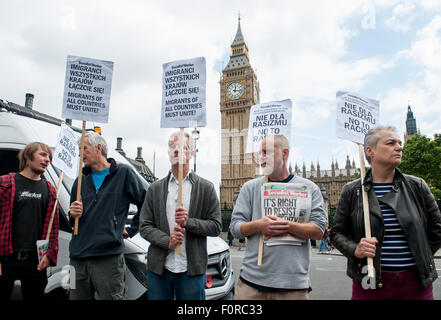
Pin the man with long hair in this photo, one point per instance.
(26, 204)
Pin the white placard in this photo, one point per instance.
(356, 115)
(87, 87)
(66, 152)
(268, 119)
(183, 94)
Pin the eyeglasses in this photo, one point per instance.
(176, 145)
(263, 153)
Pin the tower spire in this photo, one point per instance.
(238, 39)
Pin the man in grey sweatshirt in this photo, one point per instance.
(284, 272)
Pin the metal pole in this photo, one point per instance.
(195, 152)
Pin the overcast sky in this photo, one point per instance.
(305, 51)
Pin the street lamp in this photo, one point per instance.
(195, 136)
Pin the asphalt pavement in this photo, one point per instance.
(328, 274)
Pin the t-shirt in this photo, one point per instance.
(395, 252)
(29, 212)
(98, 177)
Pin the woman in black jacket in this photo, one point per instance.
(405, 224)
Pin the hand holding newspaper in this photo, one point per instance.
(288, 201)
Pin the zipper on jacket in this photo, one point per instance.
(359, 207)
(382, 241)
(114, 222)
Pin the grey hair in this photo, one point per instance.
(96, 139)
(187, 135)
(371, 138)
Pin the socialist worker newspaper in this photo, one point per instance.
(288, 201)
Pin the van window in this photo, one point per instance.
(67, 181)
(8, 161)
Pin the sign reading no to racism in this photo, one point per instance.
(356, 115)
(66, 152)
(267, 119)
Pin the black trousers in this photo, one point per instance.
(33, 282)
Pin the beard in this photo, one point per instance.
(37, 171)
(268, 169)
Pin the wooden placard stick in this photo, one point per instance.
(49, 229)
(367, 220)
(260, 252)
(80, 172)
(180, 176)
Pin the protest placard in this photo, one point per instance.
(183, 94)
(355, 116)
(87, 89)
(287, 201)
(268, 119)
(66, 151)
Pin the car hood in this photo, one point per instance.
(137, 244)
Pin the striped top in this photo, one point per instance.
(395, 253)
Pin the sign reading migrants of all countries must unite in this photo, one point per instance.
(355, 116)
(268, 119)
(87, 89)
(183, 94)
(66, 152)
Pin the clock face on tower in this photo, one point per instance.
(235, 90)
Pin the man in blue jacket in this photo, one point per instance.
(96, 252)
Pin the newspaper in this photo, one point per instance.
(42, 247)
(288, 201)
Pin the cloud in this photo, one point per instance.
(402, 16)
(297, 51)
(422, 88)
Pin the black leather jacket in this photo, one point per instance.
(417, 213)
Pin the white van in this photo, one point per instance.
(18, 127)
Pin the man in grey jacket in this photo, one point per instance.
(166, 224)
(284, 273)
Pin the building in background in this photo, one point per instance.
(331, 181)
(138, 162)
(411, 127)
(239, 90)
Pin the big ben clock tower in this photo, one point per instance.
(239, 90)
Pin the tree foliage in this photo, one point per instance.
(422, 158)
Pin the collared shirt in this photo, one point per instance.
(177, 263)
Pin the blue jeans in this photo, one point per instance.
(175, 285)
(324, 243)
